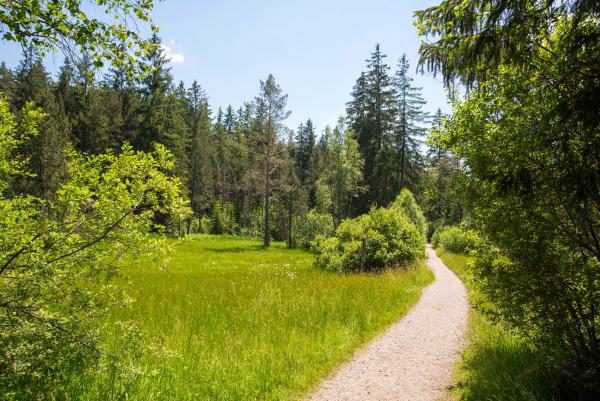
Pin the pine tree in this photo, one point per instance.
(229, 122)
(87, 112)
(380, 97)
(124, 111)
(196, 98)
(305, 159)
(7, 80)
(293, 192)
(45, 151)
(410, 127)
(435, 152)
(244, 166)
(222, 162)
(200, 181)
(64, 87)
(371, 114)
(155, 90)
(178, 133)
(270, 114)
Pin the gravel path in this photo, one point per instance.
(413, 359)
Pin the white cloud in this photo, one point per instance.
(169, 55)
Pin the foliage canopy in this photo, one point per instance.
(111, 33)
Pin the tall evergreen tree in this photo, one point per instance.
(293, 192)
(222, 163)
(64, 87)
(155, 90)
(200, 158)
(90, 128)
(305, 159)
(178, 135)
(45, 151)
(7, 80)
(229, 122)
(196, 97)
(270, 114)
(371, 114)
(125, 106)
(410, 127)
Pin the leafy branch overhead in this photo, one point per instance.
(468, 40)
(109, 31)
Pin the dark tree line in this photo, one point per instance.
(243, 170)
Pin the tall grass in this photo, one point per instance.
(247, 323)
(497, 365)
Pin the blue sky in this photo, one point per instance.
(315, 49)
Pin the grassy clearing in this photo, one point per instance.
(496, 365)
(249, 323)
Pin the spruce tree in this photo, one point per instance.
(409, 129)
(196, 98)
(7, 80)
(90, 127)
(64, 90)
(371, 114)
(293, 192)
(229, 122)
(222, 162)
(178, 133)
(124, 116)
(304, 156)
(200, 181)
(46, 151)
(155, 90)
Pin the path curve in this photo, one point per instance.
(414, 358)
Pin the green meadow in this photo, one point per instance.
(246, 323)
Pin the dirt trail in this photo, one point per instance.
(414, 358)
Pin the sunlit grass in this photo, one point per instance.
(497, 365)
(248, 323)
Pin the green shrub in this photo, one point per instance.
(205, 225)
(312, 227)
(406, 203)
(217, 225)
(374, 241)
(455, 239)
(222, 219)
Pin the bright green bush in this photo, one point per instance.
(455, 239)
(312, 227)
(205, 225)
(406, 203)
(374, 241)
(221, 220)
